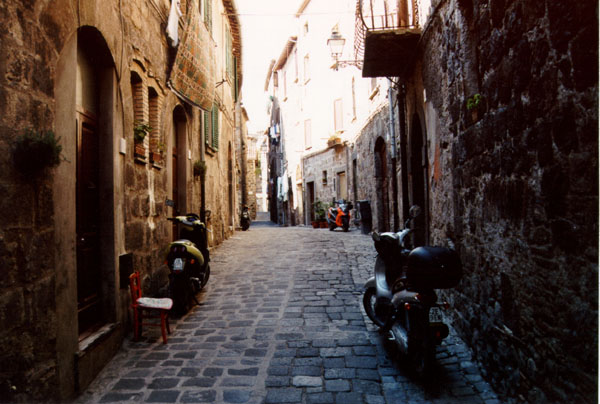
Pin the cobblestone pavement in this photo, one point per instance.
(280, 321)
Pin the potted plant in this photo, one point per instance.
(334, 140)
(35, 150)
(474, 103)
(157, 154)
(140, 131)
(319, 214)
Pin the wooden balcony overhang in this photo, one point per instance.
(390, 52)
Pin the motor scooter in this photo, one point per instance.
(400, 298)
(338, 215)
(188, 261)
(245, 221)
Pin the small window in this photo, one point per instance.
(137, 95)
(296, 64)
(208, 15)
(324, 180)
(306, 68)
(307, 134)
(154, 113)
(338, 118)
(206, 119)
(306, 28)
(229, 55)
(353, 99)
(215, 126)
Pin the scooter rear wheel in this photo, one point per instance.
(421, 355)
(206, 276)
(369, 299)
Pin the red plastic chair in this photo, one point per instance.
(159, 308)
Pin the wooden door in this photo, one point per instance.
(89, 291)
(175, 178)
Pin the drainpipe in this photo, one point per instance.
(203, 176)
(393, 136)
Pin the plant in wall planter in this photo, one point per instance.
(156, 155)
(475, 104)
(140, 131)
(334, 140)
(35, 150)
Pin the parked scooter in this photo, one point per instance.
(245, 222)
(400, 298)
(339, 215)
(188, 260)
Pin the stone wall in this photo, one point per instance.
(518, 188)
(38, 294)
(369, 188)
(332, 160)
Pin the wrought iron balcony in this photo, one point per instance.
(386, 36)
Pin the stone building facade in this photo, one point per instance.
(93, 72)
(515, 186)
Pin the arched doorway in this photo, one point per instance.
(178, 163)
(418, 172)
(381, 185)
(94, 193)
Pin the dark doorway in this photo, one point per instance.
(89, 275)
(94, 187)
(418, 171)
(178, 164)
(310, 200)
(381, 184)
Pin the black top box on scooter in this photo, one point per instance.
(433, 268)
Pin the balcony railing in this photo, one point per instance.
(383, 16)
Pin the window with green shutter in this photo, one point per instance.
(215, 126)
(235, 81)
(207, 132)
(229, 55)
(208, 15)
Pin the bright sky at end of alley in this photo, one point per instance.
(266, 26)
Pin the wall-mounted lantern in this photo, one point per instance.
(336, 44)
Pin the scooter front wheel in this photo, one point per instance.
(369, 300)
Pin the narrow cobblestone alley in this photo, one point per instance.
(280, 321)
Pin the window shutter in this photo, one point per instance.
(208, 14)
(235, 80)
(215, 127)
(207, 133)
